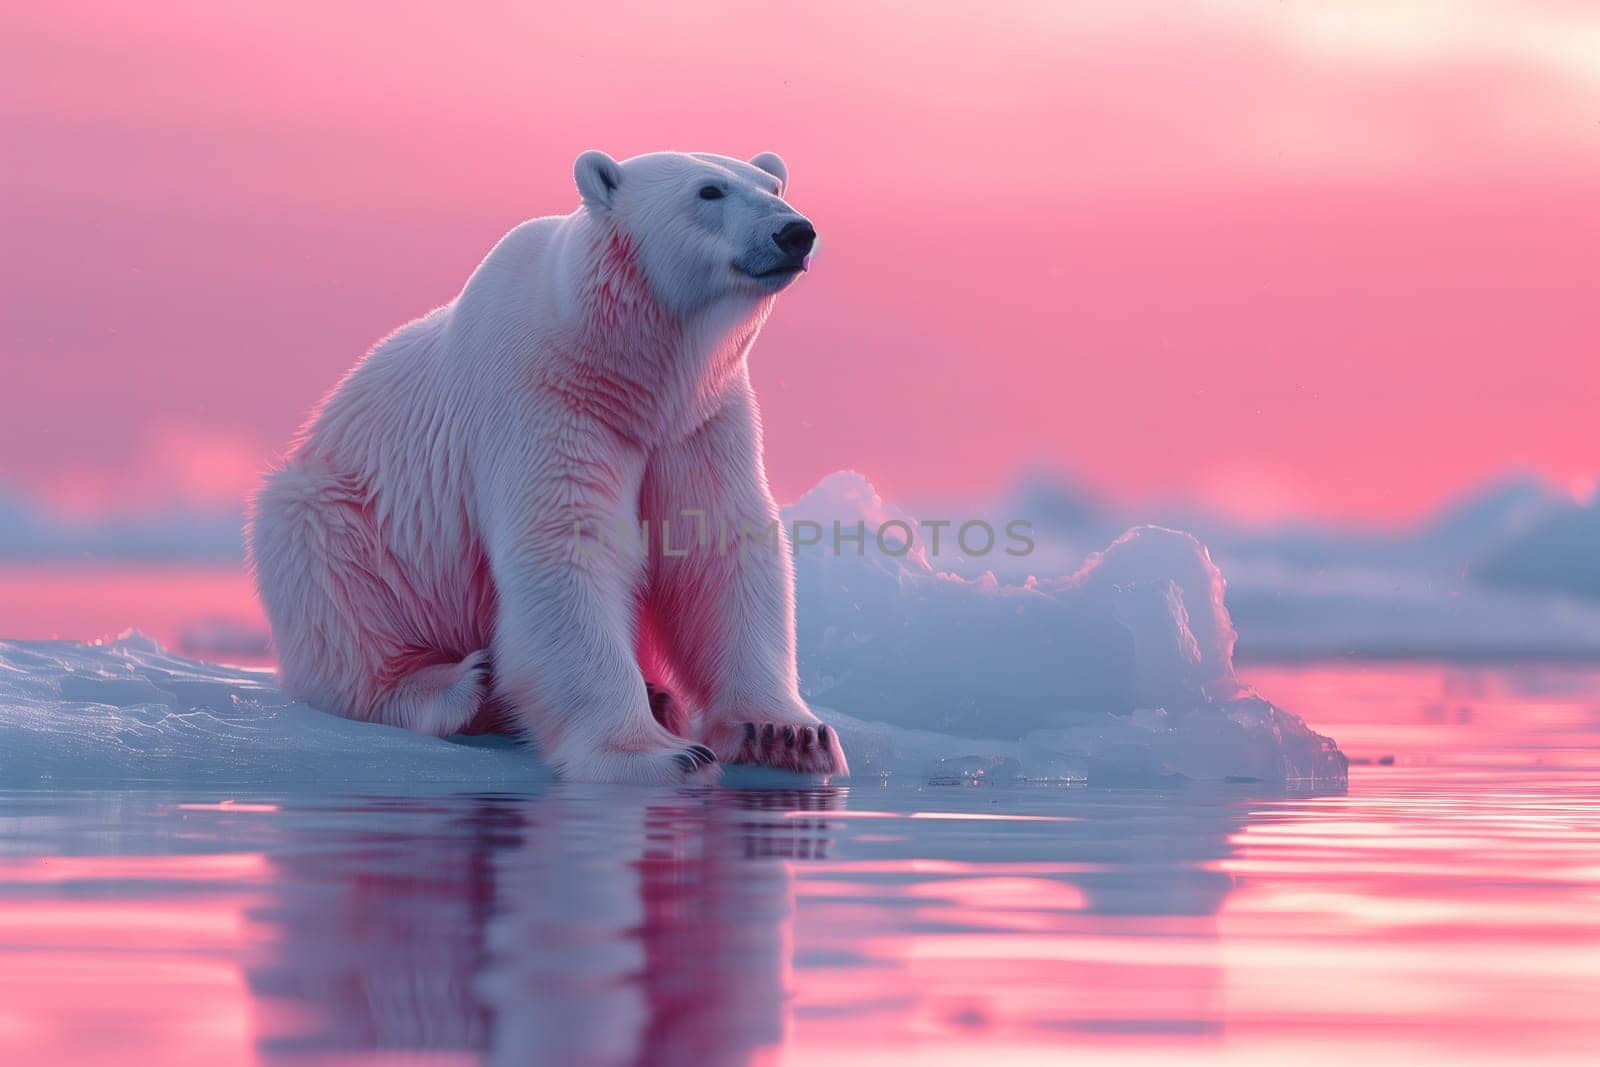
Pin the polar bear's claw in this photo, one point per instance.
(687, 765)
(804, 748)
(694, 758)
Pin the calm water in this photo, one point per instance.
(1447, 909)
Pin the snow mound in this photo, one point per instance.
(127, 712)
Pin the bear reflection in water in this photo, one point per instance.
(568, 929)
(592, 925)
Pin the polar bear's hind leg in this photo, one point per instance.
(338, 625)
(441, 698)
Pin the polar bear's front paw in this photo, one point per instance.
(804, 747)
(678, 764)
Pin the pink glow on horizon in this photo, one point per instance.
(1326, 259)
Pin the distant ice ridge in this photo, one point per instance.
(1560, 553)
(1121, 673)
(1511, 571)
(28, 532)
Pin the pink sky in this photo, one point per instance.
(1327, 258)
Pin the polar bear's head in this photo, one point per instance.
(706, 229)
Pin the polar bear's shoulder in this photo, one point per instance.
(531, 245)
(536, 269)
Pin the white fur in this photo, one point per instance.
(416, 552)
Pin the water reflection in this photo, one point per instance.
(652, 933)
(647, 932)
(1093, 923)
(592, 926)
(584, 926)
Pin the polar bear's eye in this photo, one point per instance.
(710, 192)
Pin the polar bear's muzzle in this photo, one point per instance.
(788, 254)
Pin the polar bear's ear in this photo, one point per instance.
(769, 162)
(598, 177)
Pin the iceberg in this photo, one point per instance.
(1121, 672)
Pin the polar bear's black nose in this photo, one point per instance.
(796, 239)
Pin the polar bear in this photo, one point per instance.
(421, 552)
